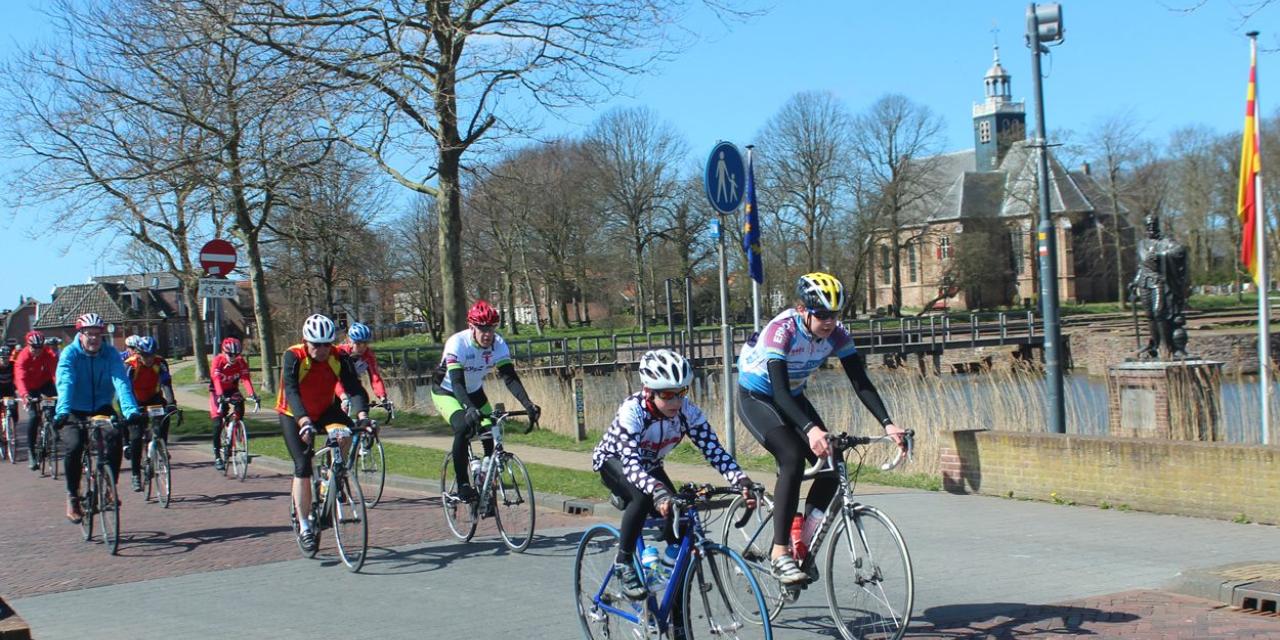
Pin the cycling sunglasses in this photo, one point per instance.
(319, 345)
(485, 328)
(670, 394)
(822, 314)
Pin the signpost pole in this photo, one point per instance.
(726, 342)
(725, 180)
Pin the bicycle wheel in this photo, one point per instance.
(720, 603)
(514, 502)
(350, 522)
(753, 542)
(603, 610)
(88, 500)
(53, 452)
(240, 449)
(460, 516)
(108, 510)
(10, 439)
(42, 452)
(371, 468)
(872, 596)
(160, 470)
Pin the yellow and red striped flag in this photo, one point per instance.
(1250, 165)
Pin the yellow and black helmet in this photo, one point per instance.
(819, 290)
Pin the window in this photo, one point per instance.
(984, 131)
(944, 248)
(886, 269)
(1016, 252)
(912, 263)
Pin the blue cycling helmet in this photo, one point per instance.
(145, 344)
(359, 332)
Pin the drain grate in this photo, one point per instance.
(1258, 597)
(578, 507)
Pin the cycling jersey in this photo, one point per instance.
(460, 351)
(148, 379)
(308, 385)
(87, 382)
(33, 369)
(226, 374)
(641, 439)
(786, 338)
(363, 363)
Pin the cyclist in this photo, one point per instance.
(228, 370)
(362, 358)
(307, 402)
(90, 377)
(34, 371)
(773, 369)
(130, 347)
(7, 388)
(458, 389)
(151, 385)
(648, 425)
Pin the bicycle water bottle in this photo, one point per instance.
(652, 568)
(475, 470)
(799, 546)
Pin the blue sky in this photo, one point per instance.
(1169, 66)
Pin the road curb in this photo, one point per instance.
(1220, 583)
(12, 626)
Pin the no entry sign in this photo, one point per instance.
(218, 257)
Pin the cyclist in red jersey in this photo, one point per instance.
(363, 359)
(34, 370)
(229, 369)
(152, 385)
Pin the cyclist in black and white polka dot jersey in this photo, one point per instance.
(648, 425)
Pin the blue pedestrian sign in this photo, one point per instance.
(725, 178)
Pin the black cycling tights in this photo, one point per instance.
(639, 504)
(791, 450)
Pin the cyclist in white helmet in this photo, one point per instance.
(307, 403)
(648, 425)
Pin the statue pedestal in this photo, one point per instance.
(1179, 400)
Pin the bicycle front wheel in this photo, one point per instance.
(753, 542)
(513, 497)
(371, 468)
(88, 501)
(350, 522)
(160, 467)
(240, 450)
(460, 516)
(872, 589)
(604, 611)
(108, 510)
(722, 598)
(10, 438)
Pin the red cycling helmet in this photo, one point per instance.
(231, 346)
(482, 313)
(35, 339)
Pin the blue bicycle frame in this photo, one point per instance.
(671, 589)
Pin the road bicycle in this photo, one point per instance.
(9, 431)
(371, 460)
(48, 439)
(336, 502)
(710, 592)
(98, 482)
(870, 587)
(506, 492)
(156, 472)
(235, 437)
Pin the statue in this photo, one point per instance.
(1160, 289)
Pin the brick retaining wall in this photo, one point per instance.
(1212, 480)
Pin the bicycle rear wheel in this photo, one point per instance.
(108, 510)
(160, 469)
(351, 522)
(872, 593)
(598, 594)
(753, 542)
(460, 516)
(240, 449)
(514, 502)
(722, 598)
(371, 468)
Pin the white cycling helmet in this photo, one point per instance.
(319, 329)
(90, 320)
(665, 369)
(132, 341)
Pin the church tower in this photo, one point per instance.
(999, 122)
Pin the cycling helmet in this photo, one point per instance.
(90, 320)
(231, 346)
(145, 344)
(359, 332)
(819, 290)
(665, 369)
(482, 313)
(53, 341)
(132, 341)
(318, 329)
(35, 339)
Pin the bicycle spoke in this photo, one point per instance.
(371, 467)
(240, 450)
(164, 488)
(109, 510)
(514, 502)
(603, 611)
(722, 598)
(350, 522)
(460, 517)
(753, 542)
(871, 590)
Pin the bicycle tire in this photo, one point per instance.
(350, 521)
(240, 449)
(53, 453)
(754, 543)
(42, 452)
(513, 497)
(592, 576)
(88, 499)
(460, 517)
(371, 468)
(10, 437)
(161, 471)
(109, 510)
(877, 549)
(716, 609)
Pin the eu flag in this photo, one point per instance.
(751, 227)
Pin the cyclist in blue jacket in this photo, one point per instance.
(91, 376)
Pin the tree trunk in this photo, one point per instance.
(455, 295)
(637, 273)
(509, 287)
(528, 283)
(895, 247)
(261, 310)
(195, 326)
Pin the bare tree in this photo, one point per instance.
(419, 264)
(1117, 144)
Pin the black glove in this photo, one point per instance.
(138, 419)
(364, 423)
(472, 418)
(61, 420)
(170, 408)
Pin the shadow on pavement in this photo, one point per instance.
(1010, 620)
(158, 543)
(204, 501)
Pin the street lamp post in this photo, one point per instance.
(1044, 25)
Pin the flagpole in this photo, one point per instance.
(755, 286)
(1260, 247)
